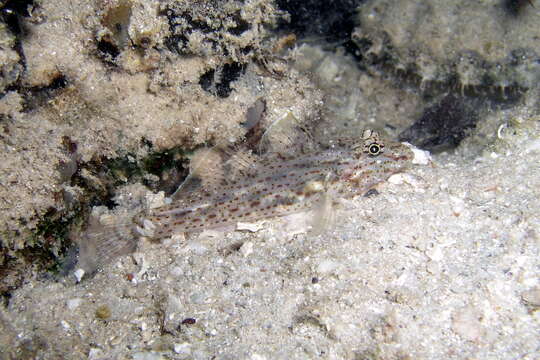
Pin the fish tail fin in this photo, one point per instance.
(104, 240)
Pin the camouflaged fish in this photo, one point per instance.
(221, 192)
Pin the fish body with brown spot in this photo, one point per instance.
(276, 185)
(283, 185)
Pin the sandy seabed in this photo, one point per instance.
(442, 263)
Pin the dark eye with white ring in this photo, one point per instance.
(374, 149)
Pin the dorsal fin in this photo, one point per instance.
(224, 163)
(212, 168)
(204, 166)
(287, 135)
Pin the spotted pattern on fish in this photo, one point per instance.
(281, 185)
(275, 185)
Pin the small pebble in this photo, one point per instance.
(247, 248)
(467, 324)
(147, 356)
(197, 248)
(189, 321)
(177, 271)
(257, 357)
(72, 304)
(65, 325)
(103, 312)
(531, 297)
(94, 353)
(183, 349)
(79, 273)
(327, 266)
(421, 157)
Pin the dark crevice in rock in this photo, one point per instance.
(219, 82)
(176, 43)
(13, 12)
(107, 51)
(35, 97)
(241, 25)
(333, 19)
(517, 7)
(444, 124)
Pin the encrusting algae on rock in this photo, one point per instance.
(224, 189)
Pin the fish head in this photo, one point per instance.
(377, 160)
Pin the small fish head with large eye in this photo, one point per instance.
(392, 156)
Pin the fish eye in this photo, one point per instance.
(374, 149)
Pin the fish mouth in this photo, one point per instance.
(400, 157)
(400, 153)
